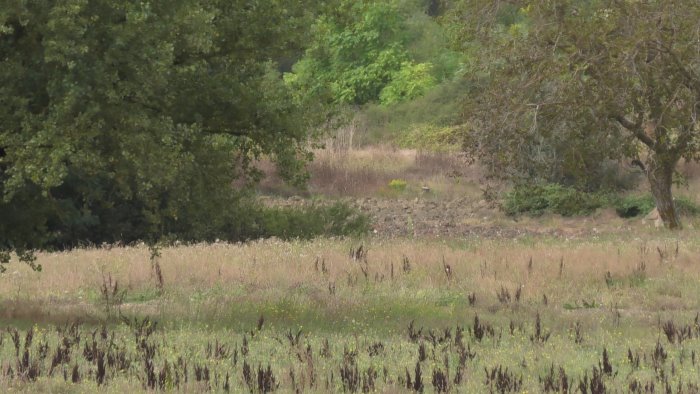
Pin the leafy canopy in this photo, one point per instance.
(568, 84)
(358, 52)
(126, 120)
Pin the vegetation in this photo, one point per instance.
(347, 195)
(635, 205)
(567, 201)
(531, 315)
(567, 86)
(129, 121)
(553, 198)
(398, 185)
(361, 54)
(338, 219)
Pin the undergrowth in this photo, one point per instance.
(536, 200)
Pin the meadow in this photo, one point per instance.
(608, 313)
(349, 196)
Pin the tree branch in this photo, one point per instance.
(692, 80)
(684, 139)
(636, 129)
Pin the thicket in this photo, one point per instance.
(551, 198)
(638, 205)
(338, 219)
(563, 200)
(388, 63)
(131, 120)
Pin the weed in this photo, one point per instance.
(112, 296)
(441, 381)
(678, 334)
(413, 334)
(518, 293)
(556, 381)
(375, 349)
(593, 385)
(503, 296)
(633, 359)
(658, 357)
(405, 265)
(636, 387)
(481, 329)
(417, 380)
(471, 298)
(501, 380)
(358, 254)
(349, 374)
(539, 335)
(578, 333)
(606, 366)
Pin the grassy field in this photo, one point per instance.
(529, 315)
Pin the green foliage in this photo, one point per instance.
(634, 205)
(373, 50)
(410, 82)
(338, 219)
(130, 120)
(426, 42)
(567, 87)
(353, 55)
(398, 185)
(552, 198)
(403, 122)
(426, 137)
(567, 201)
(640, 205)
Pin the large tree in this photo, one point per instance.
(611, 78)
(125, 120)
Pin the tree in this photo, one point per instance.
(132, 120)
(357, 52)
(623, 77)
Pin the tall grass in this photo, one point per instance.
(374, 315)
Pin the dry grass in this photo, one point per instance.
(367, 172)
(618, 292)
(272, 270)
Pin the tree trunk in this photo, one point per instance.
(660, 176)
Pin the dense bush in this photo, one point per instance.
(430, 138)
(553, 198)
(631, 206)
(338, 219)
(567, 201)
(403, 122)
(408, 83)
(638, 205)
(131, 120)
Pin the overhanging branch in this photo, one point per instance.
(636, 129)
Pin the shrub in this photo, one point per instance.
(398, 185)
(538, 199)
(567, 201)
(338, 219)
(631, 206)
(638, 205)
(439, 107)
(430, 138)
